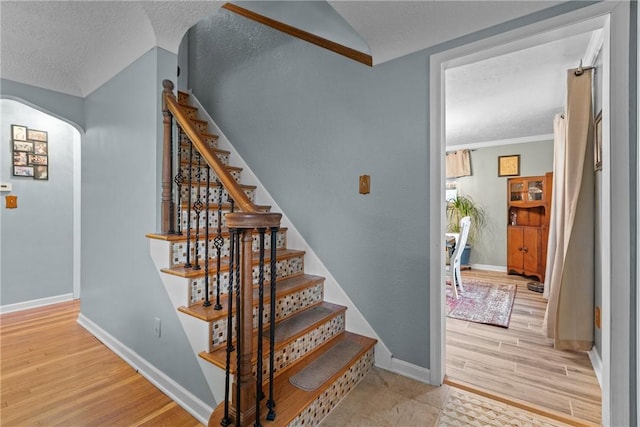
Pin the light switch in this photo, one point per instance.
(5, 186)
(365, 184)
(12, 202)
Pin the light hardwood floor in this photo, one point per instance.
(54, 373)
(520, 362)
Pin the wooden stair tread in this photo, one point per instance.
(283, 287)
(215, 150)
(187, 106)
(218, 356)
(228, 167)
(199, 120)
(183, 237)
(224, 264)
(214, 185)
(290, 400)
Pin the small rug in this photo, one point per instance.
(482, 302)
(464, 409)
(325, 366)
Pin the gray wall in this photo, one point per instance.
(67, 107)
(490, 191)
(37, 237)
(121, 289)
(309, 122)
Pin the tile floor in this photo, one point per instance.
(386, 399)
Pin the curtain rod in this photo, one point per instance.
(581, 69)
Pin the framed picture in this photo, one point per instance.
(23, 146)
(20, 158)
(509, 165)
(40, 147)
(41, 172)
(37, 160)
(18, 133)
(37, 135)
(23, 171)
(597, 143)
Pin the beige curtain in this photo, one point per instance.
(557, 213)
(458, 163)
(569, 316)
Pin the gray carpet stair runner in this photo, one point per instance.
(298, 323)
(325, 366)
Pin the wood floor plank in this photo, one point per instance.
(520, 361)
(53, 372)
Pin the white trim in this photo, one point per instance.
(77, 218)
(596, 362)
(410, 370)
(333, 292)
(183, 397)
(588, 18)
(497, 142)
(26, 305)
(595, 45)
(487, 267)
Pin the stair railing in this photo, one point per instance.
(242, 401)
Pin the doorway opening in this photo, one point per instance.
(559, 27)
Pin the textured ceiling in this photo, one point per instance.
(75, 46)
(511, 96)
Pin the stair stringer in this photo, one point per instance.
(196, 330)
(333, 292)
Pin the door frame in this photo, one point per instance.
(581, 20)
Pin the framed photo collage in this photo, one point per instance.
(30, 152)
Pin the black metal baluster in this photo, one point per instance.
(197, 208)
(259, 392)
(179, 180)
(271, 403)
(219, 244)
(238, 327)
(226, 420)
(188, 263)
(207, 301)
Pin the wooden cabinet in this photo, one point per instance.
(528, 210)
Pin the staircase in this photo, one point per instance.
(314, 362)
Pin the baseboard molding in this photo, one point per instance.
(488, 267)
(596, 362)
(410, 370)
(187, 400)
(26, 305)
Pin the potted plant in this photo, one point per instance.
(457, 209)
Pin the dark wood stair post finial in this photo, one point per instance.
(167, 208)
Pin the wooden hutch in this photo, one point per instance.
(529, 209)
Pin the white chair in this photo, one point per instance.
(454, 267)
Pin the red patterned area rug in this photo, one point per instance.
(482, 302)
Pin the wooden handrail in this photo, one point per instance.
(224, 176)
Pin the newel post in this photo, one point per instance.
(167, 206)
(245, 382)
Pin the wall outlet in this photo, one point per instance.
(156, 326)
(4, 186)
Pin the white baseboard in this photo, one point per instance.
(187, 400)
(410, 370)
(596, 362)
(488, 267)
(18, 306)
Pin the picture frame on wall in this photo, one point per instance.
(26, 171)
(18, 133)
(597, 143)
(30, 152)
(41, 172)
(37, 135)
(509, 165)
